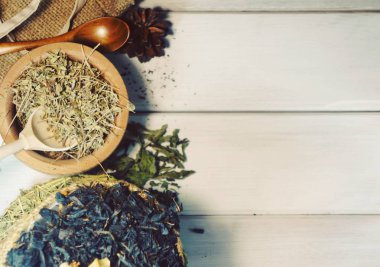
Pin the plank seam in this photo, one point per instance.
(279, 215)
(257, 112)
(272, 11)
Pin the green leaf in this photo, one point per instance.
(156, 135)
(138, 178)
(174, 139)
(175, 185)
(148, 163)
(183, 147)
(159, 160)
(165, 185)
(166, 169)
(153, 183)
(124, 163)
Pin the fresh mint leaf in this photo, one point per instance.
(160, 158)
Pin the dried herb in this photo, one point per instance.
(197, 230)
(160, 158)
(96, 222)
(31, 199)
(148, 30)
(78, 103)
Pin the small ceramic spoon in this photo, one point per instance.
(35, 136)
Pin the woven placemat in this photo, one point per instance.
(67, 185)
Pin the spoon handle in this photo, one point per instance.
(11, 148)
(10, 47)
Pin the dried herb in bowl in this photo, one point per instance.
(79, 104)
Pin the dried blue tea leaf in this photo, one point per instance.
(97, 222)
(64, 233)
(50, 216)
(197, 230)
(36, 240)
(60, 198)
(25, 257)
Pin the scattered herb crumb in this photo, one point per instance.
(197, 230)
(141, 83)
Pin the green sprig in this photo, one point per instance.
(160, 158)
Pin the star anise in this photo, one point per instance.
(148, 30)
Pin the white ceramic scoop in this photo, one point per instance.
(35, 136)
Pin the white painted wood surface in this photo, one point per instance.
(266, 163)
(225, 83)
(280, 163)
(286, 241)
(265, 5)
(263, 62)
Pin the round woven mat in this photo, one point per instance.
(24, 223)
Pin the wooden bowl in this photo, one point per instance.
(10, 130)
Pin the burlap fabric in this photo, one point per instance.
(50, 18)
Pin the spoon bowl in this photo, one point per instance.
(111, 33)
(38, 135)
(35, 136)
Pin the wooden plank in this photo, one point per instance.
(265, 163)
(285, 241)
(261, 62)
(265, 5)
(279, 163)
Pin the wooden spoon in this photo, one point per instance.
(111, 33)
(35, 136)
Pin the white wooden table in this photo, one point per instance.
(281, 104)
